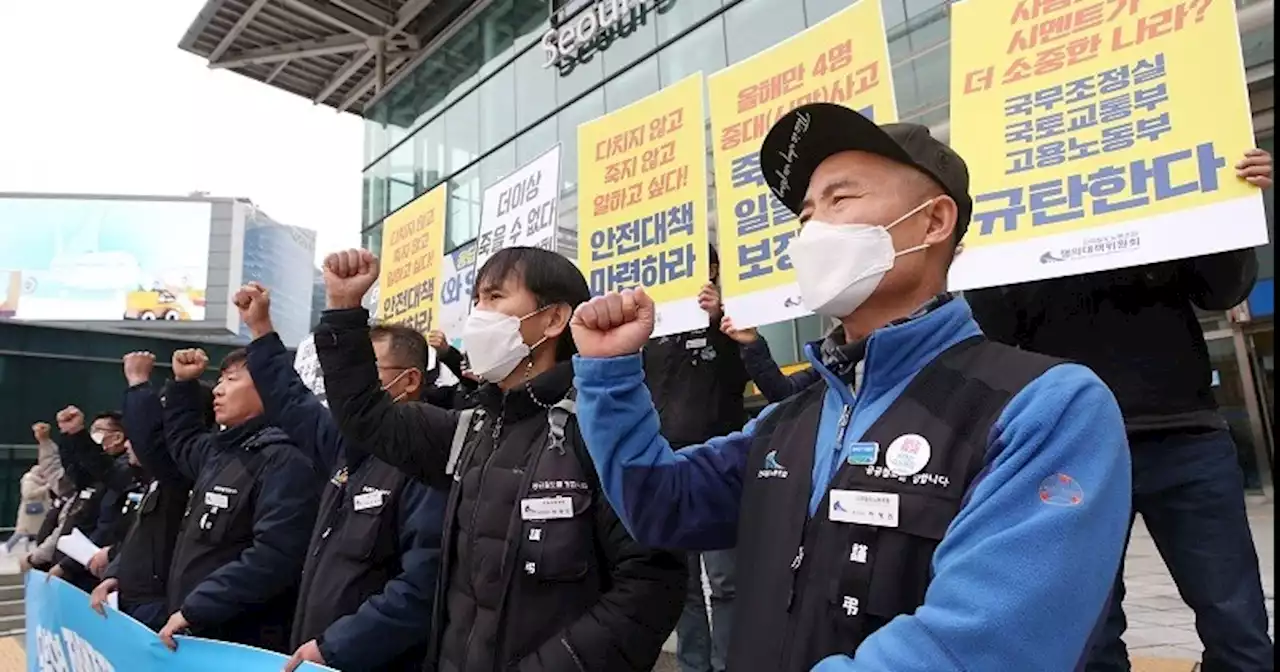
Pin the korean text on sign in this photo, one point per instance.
(1098, 120)
(643, 202)
(411, 261)
(520, 209)
(842, 60)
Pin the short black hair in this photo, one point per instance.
(114, 416)
(550, 277)
(408, 347)
(237, 357)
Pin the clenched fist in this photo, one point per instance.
(348, 275)
(70, 420)
(138, 367)
(254, 302)
(189, 364)
(41, 431)
(614, 324)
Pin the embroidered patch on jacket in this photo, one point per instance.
(1061, 490)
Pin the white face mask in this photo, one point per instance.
(97, 437)
(493, 343)
(839, 266)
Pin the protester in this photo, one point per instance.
(123, 487)
(774, 385)
(34, 488)
(240, 551)
(1137, 328)
(981, 537)
(139, 564)
(538, 573)
(697, 382)
(65, 500)
(59, 484)
(370, 572)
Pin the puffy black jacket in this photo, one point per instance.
(371, 568)
(697, 381)
(142, 561)
(240, 552)
(571, 593)
(1135, 327)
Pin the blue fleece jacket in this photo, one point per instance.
(1018, 583)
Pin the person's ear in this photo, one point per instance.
(413, 382)
(942, 221)
(558, 322)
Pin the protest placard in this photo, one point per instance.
(521, 208)
(842, 60)
(1099, 134)
(642, 203)
(411, 258)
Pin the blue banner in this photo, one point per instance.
(64, 635)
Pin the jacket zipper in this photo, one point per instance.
(573, 654)
(475, 511)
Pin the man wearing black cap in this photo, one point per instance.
(962, 507)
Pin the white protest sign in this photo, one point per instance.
(520, 209)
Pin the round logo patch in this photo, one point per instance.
(907, 455)
(1061, 490)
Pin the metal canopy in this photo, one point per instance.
(335, 52)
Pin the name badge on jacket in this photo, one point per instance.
(859, 507)
(546, 508)
(367, 500)
(217, 500)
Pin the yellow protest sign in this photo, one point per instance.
(843, 60)
(642, 203)
(411, 259)
(1099, 134)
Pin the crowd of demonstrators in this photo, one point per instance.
(375, 549)
(912, 501)
(537, 572)
(697, 382)
(1138, 330)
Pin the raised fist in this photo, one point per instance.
(138, 367)
(614, 324)
(254, 302)
(189, 364)
(437, 340)
(41, 431)
(348, 275)
(70, 420)
(742, 336)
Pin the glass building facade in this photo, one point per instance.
(480, 103)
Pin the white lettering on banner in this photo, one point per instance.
(51, 657)
(564, 42)
(85, 658)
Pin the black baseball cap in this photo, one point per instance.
(810, 134)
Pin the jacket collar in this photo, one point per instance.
(531, 398)
(251, 435)
(899, 350)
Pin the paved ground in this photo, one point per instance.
(1161, 636)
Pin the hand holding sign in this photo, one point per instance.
(1255, 168)
(348, 275)
(613, 325)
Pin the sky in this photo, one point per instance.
(98, 98)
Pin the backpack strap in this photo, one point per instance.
(557, 417)
(460, 434)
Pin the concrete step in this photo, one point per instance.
(12, 608)
(11, 579)
(13, 625)
(12, 592)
